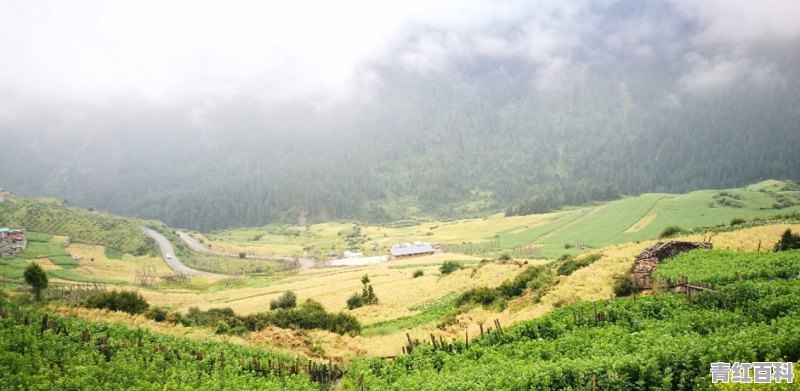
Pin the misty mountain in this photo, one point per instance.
(523, 110)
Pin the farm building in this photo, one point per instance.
(17, 236)
(10, 241)
(12, 235)
(411, 250)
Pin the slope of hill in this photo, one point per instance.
(543, 235)
(665, 341)
(66, 353)
(56, 217)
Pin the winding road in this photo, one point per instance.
(195, 245)
(173, 262)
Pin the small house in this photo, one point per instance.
(17, 236)
(411, 251)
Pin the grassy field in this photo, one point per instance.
(406, 304)
(619, 230)
(76, 262)
(569, 231)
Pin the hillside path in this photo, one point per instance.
(174, 263)
(195, 245)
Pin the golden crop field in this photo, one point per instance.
(398, 292)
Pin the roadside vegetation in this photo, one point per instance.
(308, 315)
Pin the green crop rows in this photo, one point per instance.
(61, 357)
(661, 342)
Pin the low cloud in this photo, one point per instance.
(330, 53)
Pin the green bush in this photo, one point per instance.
(671, 231)
(36, 277)
(788, 241)
(483, 296)
(624, 286)
(449, 267)
(156, 313)
(533, 278)
(126, 301)
(355, 301)
(287, 300)
(504, 257)
(312, 315)
(570, 265)
(418, 273)
(737, 221)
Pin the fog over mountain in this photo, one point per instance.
(216, 114)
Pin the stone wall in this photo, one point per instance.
(649, 259)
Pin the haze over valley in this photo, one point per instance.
(399, 195)
(416, 111)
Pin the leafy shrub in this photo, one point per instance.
(126, 301)
(504, 257)
(287, 300)
(355, 301)
(156, 313)
(570, 265)
(312, 315)
(624, 286)
(36, 277)
(533, 277)
(449, 267)
(737, 221)
(788, 241)
(418, 273)
(671, 231)
(484, 296)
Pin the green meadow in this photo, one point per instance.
(569, 231)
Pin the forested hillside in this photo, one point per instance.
(626, 110)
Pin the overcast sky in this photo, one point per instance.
(172, 51)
